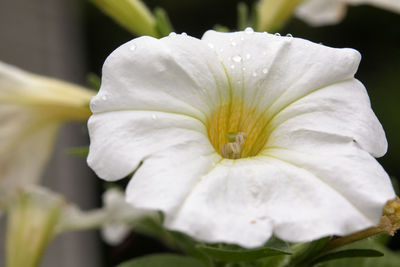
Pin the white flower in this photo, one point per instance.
(32, 108)
(306, 167)
(326, 12)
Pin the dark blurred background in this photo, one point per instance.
(68, 39)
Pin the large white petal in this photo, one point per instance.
(244, 202)
(120, 140)
(227, 205)
(339, 163)
(177, 74)
(168, 177)
(274, 71)
(341, 109)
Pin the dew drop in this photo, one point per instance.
(154, 116)
(249, 30)
(132, 47)
(241, 38)
(265, 70)
(210, 45)
(233, 44)
(277, 34)
(289, 35)
(248, 56)
(237, 59)
(184, 34)
(104, 97)
(171, 34)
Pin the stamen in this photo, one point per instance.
(233, 149)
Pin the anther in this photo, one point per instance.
(233, 150)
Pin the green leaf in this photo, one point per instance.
(78, 151)
(305, 252)
(237, 254)
(163, 260)
(350, 253)
(390, 259)
(163, 23)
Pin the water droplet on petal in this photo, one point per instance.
(210, 45)
(249, 30)
(277, 34)
(241, 38)
(289, 35)
(237, 58)
(233, 44)
(248, 56)
(171, 34)
(132, 47)
(154, 116)
(184, 34)
(265, 70)
(104, 97)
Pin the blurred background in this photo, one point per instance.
(68, 39)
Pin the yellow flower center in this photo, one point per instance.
(236, 116)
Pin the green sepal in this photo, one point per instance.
(163, 23)
(231, 253)
(163, 260)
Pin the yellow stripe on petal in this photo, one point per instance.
(236, 116)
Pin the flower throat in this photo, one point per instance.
(236, 130)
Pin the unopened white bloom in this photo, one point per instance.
(301, 165)
(32, 108)
(122, 216)
(116, 218)
(326, 12)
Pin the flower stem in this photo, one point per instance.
(389, 223)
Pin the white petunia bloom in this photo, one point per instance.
(32, 108)
(327, 12)
(301, 165)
